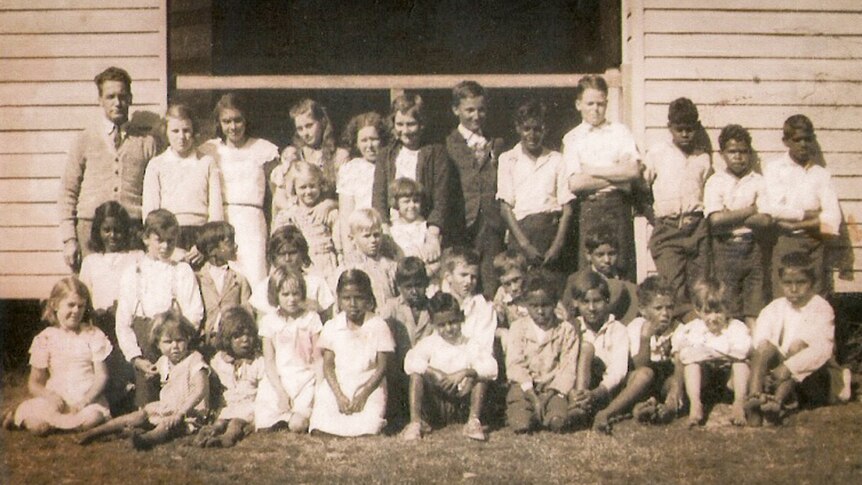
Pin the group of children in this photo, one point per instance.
(442, 275)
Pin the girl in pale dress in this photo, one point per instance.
(321, 233)
(183, 399)
(245, 163)
(365, 135)
(240, 368)
(67, 367)
(356, 345)
(290, 354)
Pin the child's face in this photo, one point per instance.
(115, 99)
(368, 143)
(307, 189)
(309, 130)
(604, 259)
(410, 208)
(450, 330)
(737, 157)
(225, 251)
(593, 307)
(354, 302)
(290, 257)
(181, 135)
(593, 105)
(242, 345)
(112, 234)
(367, 240)
(160, 248)
(408, 130)
(471, 113)
(290, 298)
(715, 320)
(413, 292)
(682, 135)
(541, 306)
(174, 347)
(659, 311)
(800, 145)
(463, 279)
(532, 134)
(797, 286)
(233, 125)
(513, 282)
(70, 312)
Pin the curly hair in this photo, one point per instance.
(235, 322)
(733, 132)
(351, 133)
(112, 209)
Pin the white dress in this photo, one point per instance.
(101, 272)
(244, 185)
(355, 350)
(295, 344)
(240, 383)
(69, 358)
(356, 179)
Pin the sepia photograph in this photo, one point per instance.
(430, 241)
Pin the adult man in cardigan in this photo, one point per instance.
(106, 162)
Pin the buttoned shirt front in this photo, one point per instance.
(532, 186)
(677, 179)
(611, 342)
(542, 358)
(606, 145)
(792, 189)
(725, 191)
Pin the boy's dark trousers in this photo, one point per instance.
(611, 209)
(738, 263)
(680, 249)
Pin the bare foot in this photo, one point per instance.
(601, 423)
(646, 411)
(737, 414)
(695, 415)
(9, 420)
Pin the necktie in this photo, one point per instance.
(117, 137)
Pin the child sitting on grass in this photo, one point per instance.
(794, 338)
(68, 373)
(650, 338)
(239, 367)
(541, 360)
(713, 347)
(184, 377)
(445, 368)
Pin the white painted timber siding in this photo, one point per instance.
(50, 51)
(755, 63)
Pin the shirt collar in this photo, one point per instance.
(590, 128)
(471, 137)
(542, 158)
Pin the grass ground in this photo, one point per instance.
(817, 446)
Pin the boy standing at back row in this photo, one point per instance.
(475, 158)
(676, 171)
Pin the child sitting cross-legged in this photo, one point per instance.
(793, 343)
(712, 348)
(239, 366)
(650, 338)
(541, 360)
(184, 378)
(447, 371)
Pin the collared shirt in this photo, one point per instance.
(605, 145)
(101, 272)
(218, 274)
(399, 313)
(696, 343)
(677, 179)
(406, 162)
(480, 321)
(792, 189)
(190, 187)
(659, 345)
(611, 342)
(147, 289)
(725, 191)
(474, 140)
(532, 186)
(783, 324)
(542, 358)
(109, 128)
(435, 352)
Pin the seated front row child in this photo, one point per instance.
(290, 354)
(713, 350)
(542, 360)
(221, 286)
(448, 373)
(68, 373)
(183, 398)
(409, 230)
(606, 345)
(356, 345)
(793, 342)
(650, 335)
(239, 368)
